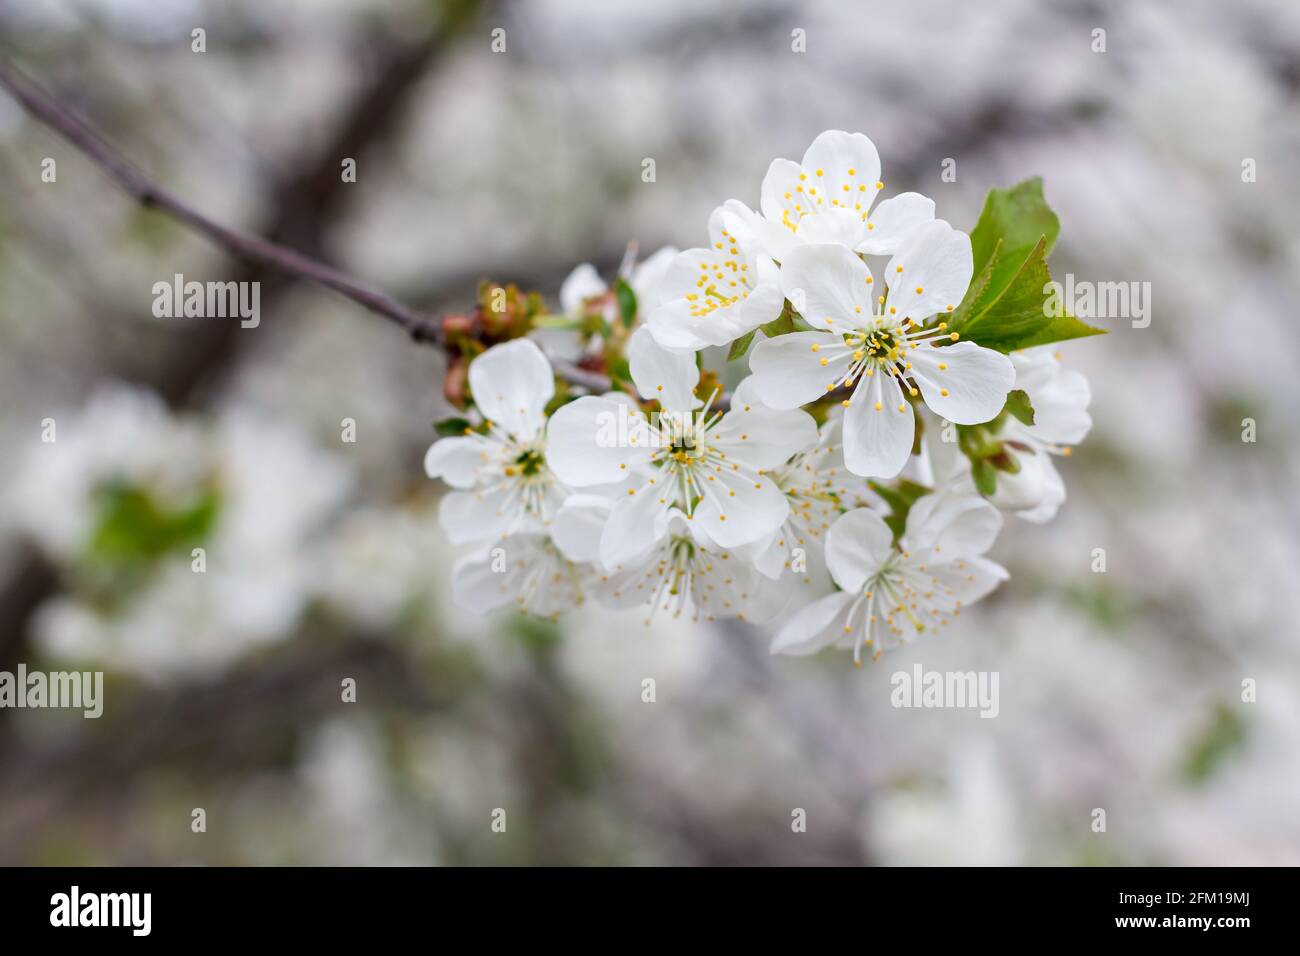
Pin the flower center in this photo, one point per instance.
(528, 463)
(723, 281)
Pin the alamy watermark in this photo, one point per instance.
(1099, 300)
(208, 300)
(81, 690)
(944, 689)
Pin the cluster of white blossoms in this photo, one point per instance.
(846, 491)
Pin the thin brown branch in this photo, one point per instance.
(251, 248)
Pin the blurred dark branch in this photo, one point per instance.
(250, 248)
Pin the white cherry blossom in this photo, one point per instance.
(891, 592)
(1060, 398)
(877, 345)
(708, 465)
(682, 571)
(828, 198)
(505, 486)
(713, 296)
(819, 489)
(525, 570)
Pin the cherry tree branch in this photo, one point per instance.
(251, 248)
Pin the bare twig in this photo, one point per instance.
(255, 249)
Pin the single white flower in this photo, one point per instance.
(709, 465)
(875, 344)
(714, 296)
(889, 593)
(682, 571)
(526, 570)
(1060, 400)
(506, 485)
(828, 197)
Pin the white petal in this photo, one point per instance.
(476, 586)
(828, 285)
(596, 441)
(1060, 397)
(478, 516)
(647, 276)
(942, 527)
(782, 177)
(456, 460)
(578, 525)
(841, 227)
(976, 380)
(582, 283)
(739, 508)
(673, 322)
(877, 436)
(813, 627)
(770, 554)
(936, 259)
(759, 436)
(775, 239)
(857, 546)
(892, 222)
(965, 582)
(837, 159)
(1034, 493)
(766, 300)
(738, 221)
(637, 522)
(669, 377)
(789, 373)
(563, 344)
(511, 384)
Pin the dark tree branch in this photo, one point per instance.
(250, 248)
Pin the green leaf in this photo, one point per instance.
(1010, 304)
(133, 527)
(448, 427)
(783, 324)
(986, 477)
(740, 347)
(1224, 735)
(1019, 406)
(1010, 227)
(626, 302)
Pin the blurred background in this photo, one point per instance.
(1119, 690)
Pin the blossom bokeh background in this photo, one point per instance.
(1119, 690)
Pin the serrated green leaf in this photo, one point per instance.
(740, 346)
(448, 427)
(1007, 305)
(1019, 406)
(626, 302)
(1011, 224)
